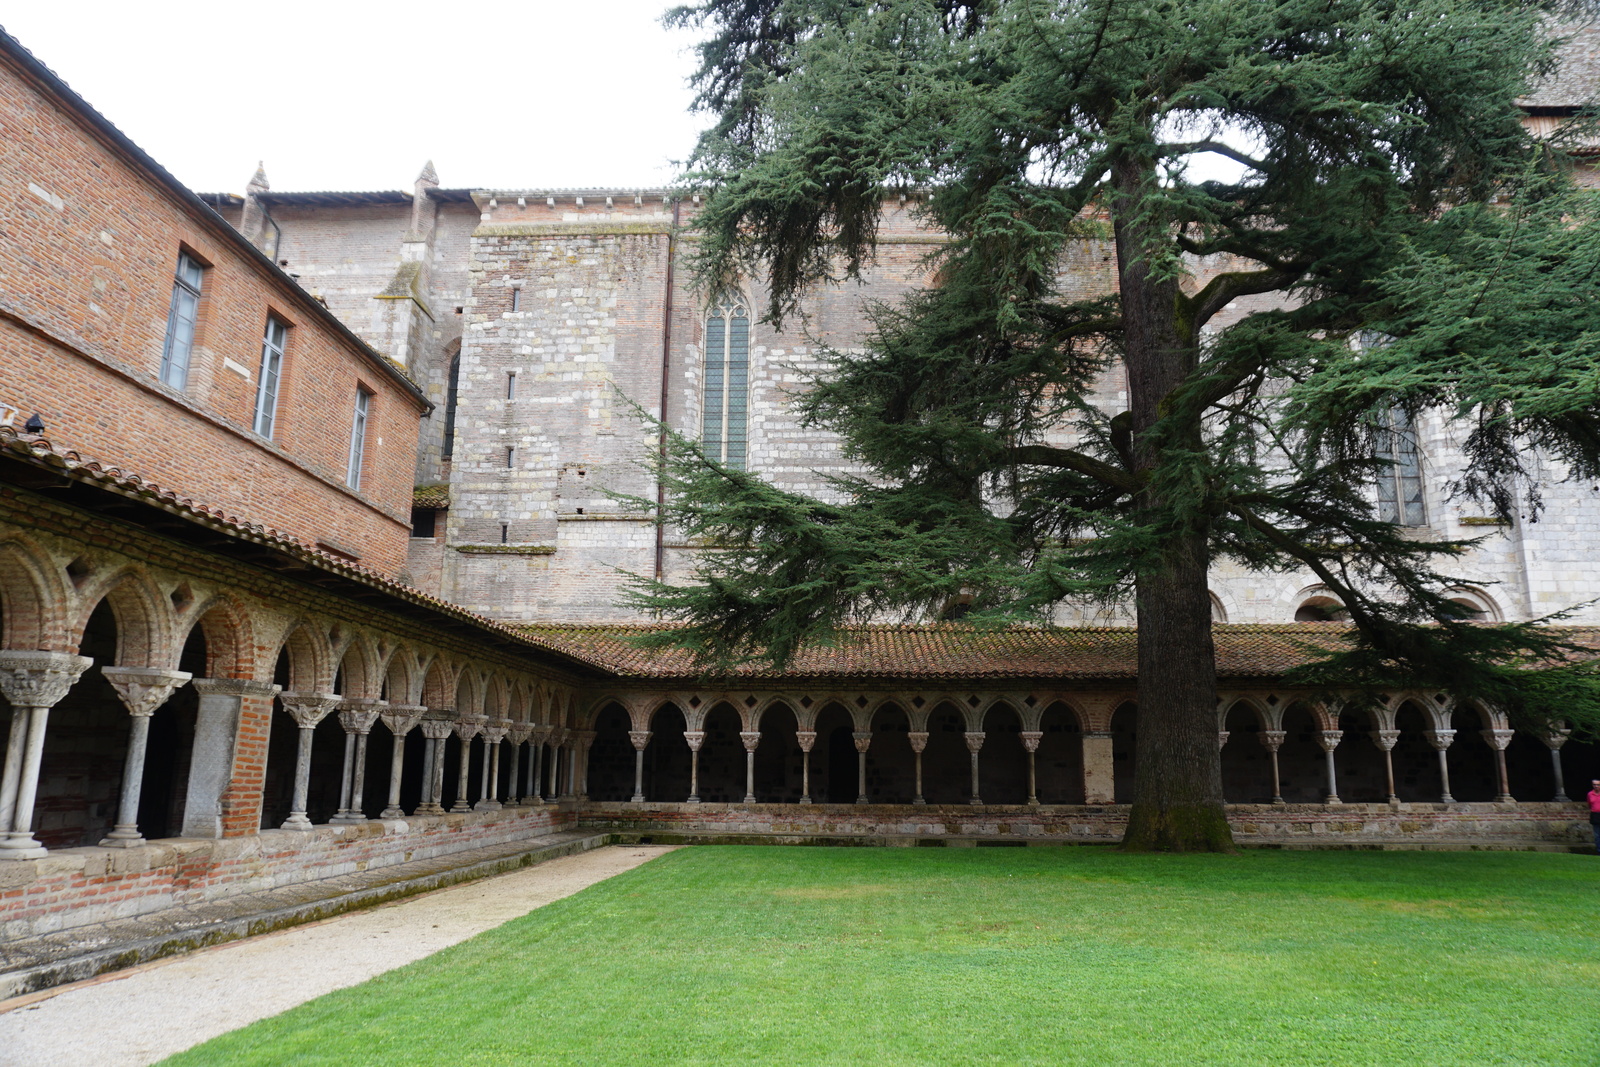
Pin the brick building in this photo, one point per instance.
(314, 537)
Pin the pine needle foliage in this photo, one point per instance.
(1395, 243)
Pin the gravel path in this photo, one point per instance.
(139, 1016)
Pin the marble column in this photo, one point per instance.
(1553, 739)
(1030, 741)
(1273, 740)
(435, 731)
(356, 715)
(307, 709)
(493, 734)
(1385, 740)
(517, 736)
(1498, 740)
(1329, 740)
(580, 764)
(541, 734)
(467, 727)
(974, 746)
(401, 719)
(863, 740)
(694, 738)
(143, 690)
(1099, 770)
(1440, 740)
(806, 739)
(751, 739)
(34, 682)
(640, 739)
(919, 741)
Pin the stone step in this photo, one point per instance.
(34, 963)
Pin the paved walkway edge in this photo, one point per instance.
(78, 967)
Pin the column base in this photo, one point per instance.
(35, 851)
(486, 805)
(1447, 799)
(391, 813)
(749, 798)
(430, 809)
(460, 807)
(1279, 800)
(1393, 799)
(862, 800)
(1561, 798)
(692, 800)
(297, 821)
(121, 837)
(918, 800)
(1505, 798)
(637, 798)
(1331, 800)
(974, 801)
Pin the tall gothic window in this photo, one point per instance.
(723, 426)
(1400, 484)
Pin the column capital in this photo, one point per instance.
(1555, 737)
(1031, 739)
(437, 729)
(308, 708)
(39, 679)
(1222, 738)
(1329, 739)
(1498, 739)
(401, 719)
(751, 739)
(469, 726)
(1272, 740)
(143, 689)
(495, 730)
(357, 714)
(519, 732)
(639, 739)
(1439, 739)
(974, 740)
(805, 739)
(694, 738)
(918, 739)
(863, 739)
(234, 687)
(1385, 739)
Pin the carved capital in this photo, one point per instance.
(469, 726)
(1031, 739)
(358, 714)
(1222, 738)
(495, 730)
(974, 740)
(234, 687)
(639, 739)
(143, 689)
(401, 719)
(695, 739)
(1439, 739)
(805, 739)
(437, 729)
(1385, 739)
(918, 739)
(1272, 740)
(39, 679)
(1555, 737)
(307, 708)
(863, 739)
(1329, 739)
(519, 732)
(1498, 739)
(751, 739)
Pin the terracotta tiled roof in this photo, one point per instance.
(952, 651)
(430, 496)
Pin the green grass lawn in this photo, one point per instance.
(787, 955)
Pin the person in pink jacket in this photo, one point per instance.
(1594, 812)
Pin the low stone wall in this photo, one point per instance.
(80, 886)
(1515, 826)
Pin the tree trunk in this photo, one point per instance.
(1177, 801)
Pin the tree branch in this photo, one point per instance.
(1067, 459)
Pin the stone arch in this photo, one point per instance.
(229, 633)
(495, 701)
(1479, 605)
(1416, 763)
(31, 599)
(1317, 603)
(402, 676)
(946, 764)
(1219, 610)
(1124, 728)
(358, 676)
(439, 685)
(1002, 761)
(667, 757)
(469, 693)
(145, 625)
(833, 757)
(722, 762)
(309, 668)
(611, 753)
(1058, 764)
(891, 763)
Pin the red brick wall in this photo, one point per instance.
(88, 245)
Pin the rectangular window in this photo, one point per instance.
(1400, 484)
(358, 437)
(516, 300)
(181, 321)
(511, 458)
(511, 385)
(272, 346)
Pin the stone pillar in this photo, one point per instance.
(540, 735)
(919, 741)
(1440, 740)
(695, 738)
(466, 728)
(1273, 740)
(143, 690)
(1498, 740)
(216, 731)
(435, 731)
(1030, 741)
(356, 715)
(974, 746)
(1329, 740)
(34, 682)
(1099, 774)
(640, 739)
(1553, 739)
(863, 740)
(306, 709)
(401, 719)
(1385, 740)
(493, 734)
(805, 739)
(515, 737)
(580, 764)
(751, 739)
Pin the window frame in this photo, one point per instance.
(1401, 489)
(269, 376)
(174, 371)
(360, 421)
(725, 381)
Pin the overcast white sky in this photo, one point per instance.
(356, 94)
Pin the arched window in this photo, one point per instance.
(448, 449)
(1400, 483)
(723, 424)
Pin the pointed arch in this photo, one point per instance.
(439, 685)
(145, 624)
(229, 633)
(358, 669)
(310, 660)
(32, 595)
